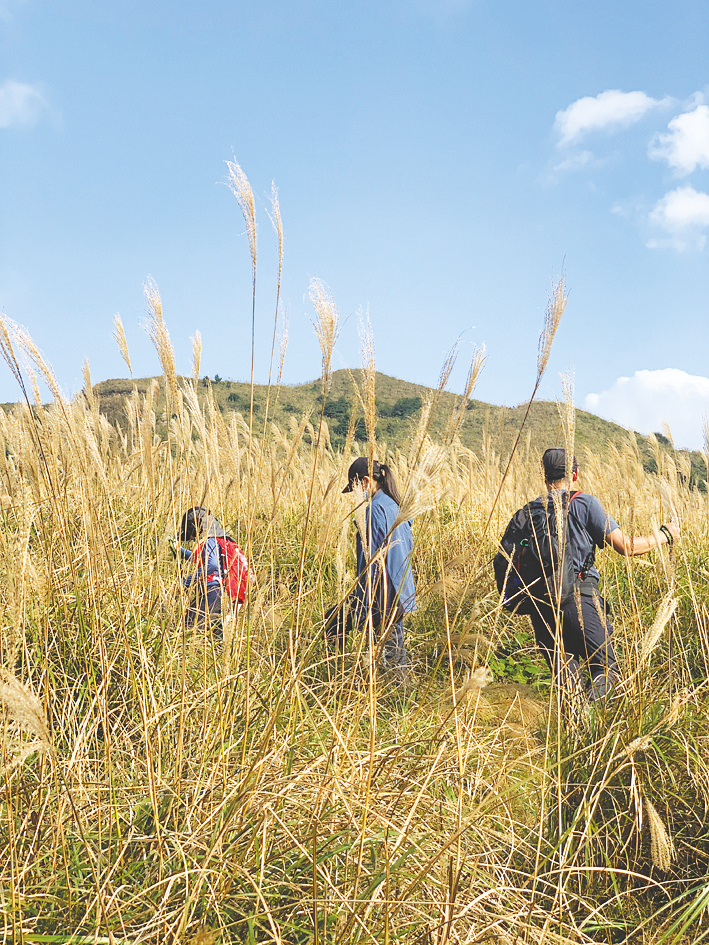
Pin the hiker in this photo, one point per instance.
(583, 627)
(222, 574)
(385, 584)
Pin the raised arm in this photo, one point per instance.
(641, 544)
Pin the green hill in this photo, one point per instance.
(399, 405)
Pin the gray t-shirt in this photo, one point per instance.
(589, 525)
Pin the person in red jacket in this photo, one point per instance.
(222, 573)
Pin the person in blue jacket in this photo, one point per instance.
(205, 609)
(385, 584)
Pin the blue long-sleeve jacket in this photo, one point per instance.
(392, 583)
(208, 560)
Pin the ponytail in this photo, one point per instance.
(387, 482)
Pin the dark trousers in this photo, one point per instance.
(584, 635)
(206, 607)
(338, 624)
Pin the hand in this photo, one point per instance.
(173, 545)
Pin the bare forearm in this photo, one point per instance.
(640, 544)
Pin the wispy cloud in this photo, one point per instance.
(649, 399)
(609, 111)
(683, 215)
(20, 104)
(686, 146)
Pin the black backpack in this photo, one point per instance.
(529, 567)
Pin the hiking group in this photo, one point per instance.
(544, 569)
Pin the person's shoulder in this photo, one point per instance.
(586, 499)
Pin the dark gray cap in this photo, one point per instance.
(358, 470)
(554, 462)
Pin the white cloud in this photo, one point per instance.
(686, 147)
(20, 104)
(649, 399)
(610, 110)
(684, 215)
(577, 161)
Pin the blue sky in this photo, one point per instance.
(439, 163)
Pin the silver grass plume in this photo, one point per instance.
(662, 848)
(568, 413)
(476, 365)
(241, 188)
(360, 516)
(448, 366)
(196, 354)
(27, 345)
(369, 381)
(664, 612)
(552, 316)
(24, 707)
(283, 346)
(278, 226)
(120, 337)
(160, 337)
(476, 681)
(326, 326)
(423, 488)
(88, 388)
(8, 352)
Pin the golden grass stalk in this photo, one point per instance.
(88, 388)
(360, 515)
(369, 381)
(282, 346)
(8, 352)
(447, 368)
(196, 354)
(25, 342)
(423, 489)
(552, 318)
(241, 188)
(326, 326)
(661, 845)
(664, 612)
(120, 337)
(476, 365)
(24, 707)
(278, 226)
(160, 337)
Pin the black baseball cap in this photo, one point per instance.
(358, 470)
(554, 462)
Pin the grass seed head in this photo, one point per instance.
(196, 354)
(120, 336)
(326, 325)
(664, 612)
(661, 845)
(241, 188)
(24, 707)
(552, 317)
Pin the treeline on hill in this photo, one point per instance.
(485, 426)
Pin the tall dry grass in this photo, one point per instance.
(158, 786)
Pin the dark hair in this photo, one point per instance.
(387, 482)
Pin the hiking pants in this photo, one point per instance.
(206, 608)
(337, 626)
(585, 634)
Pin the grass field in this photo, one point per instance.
(158, 786)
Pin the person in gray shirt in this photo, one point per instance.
(584, 629)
